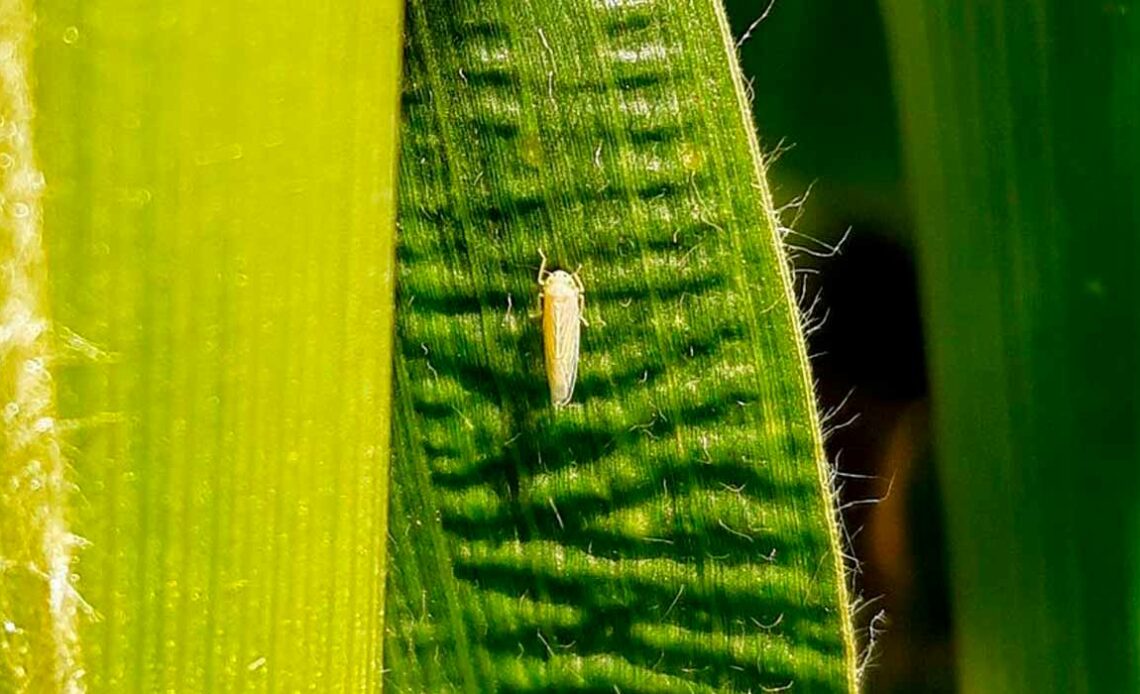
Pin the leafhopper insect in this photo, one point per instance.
(562, 300)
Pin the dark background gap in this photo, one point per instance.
(822, 86)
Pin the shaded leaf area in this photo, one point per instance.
(670, 530)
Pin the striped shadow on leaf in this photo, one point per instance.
(671, 528)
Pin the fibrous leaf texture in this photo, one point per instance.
(671, 529)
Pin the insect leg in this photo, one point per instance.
(541, 284)
(538, 311)
(542, 268)
(581, 296)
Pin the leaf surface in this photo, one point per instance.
(671, 529)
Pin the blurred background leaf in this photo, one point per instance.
(217, 223)
(1022, 143)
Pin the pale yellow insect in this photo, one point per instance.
(563, 300)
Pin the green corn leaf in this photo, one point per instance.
(1020, 123)
(672, 528)
(196, 242)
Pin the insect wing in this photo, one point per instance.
(562, 331)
